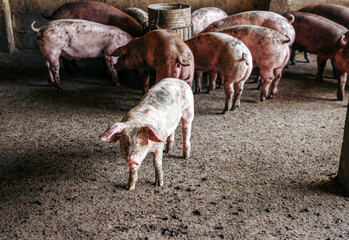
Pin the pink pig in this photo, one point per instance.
(203, 17)
(226, 55)
(78, 39)
(146, 127)
(270, 52)
(260, 18)
(162, 50)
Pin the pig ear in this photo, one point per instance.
(112, 132)
(152, 134)
(118, 52)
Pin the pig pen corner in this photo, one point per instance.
(271, 167)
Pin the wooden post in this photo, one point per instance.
(280, 6)
(343, 171)
(8, 42)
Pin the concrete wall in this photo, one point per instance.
(282, 6)
(24, 12)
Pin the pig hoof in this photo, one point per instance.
(235, 107)
(159, 183)
(130, 187)
(340, 96)
(186, 154)
(209, 91)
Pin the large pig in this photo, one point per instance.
(161, 50)
(203, 17)
(150, 124)
(334, 12)
(226, 55)
(98, 12)
(78, 39)
(270, 53)
(138, 14)
(329, 40)
(260, 18)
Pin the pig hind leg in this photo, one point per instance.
(274, 85)
(238, 88)
(198, 82)
(267, 78)
(52, 63)
(170, 141)
(321, 63)
(213, 79)
(229, 93)
(187, 119)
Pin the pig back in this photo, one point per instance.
(81, 38)
(260, 18)
(216, 49)
(162, 106)
(317, 34)
(98, 12)
(334, 12)
(203, 17)
(268, 47)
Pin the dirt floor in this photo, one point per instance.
(264, 171)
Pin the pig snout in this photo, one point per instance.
(132, 162)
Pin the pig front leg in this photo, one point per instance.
(306, 57)
(157, 162)
(187, 119)
(341, 86)
(146, 80)
(321, 63)
(111, 61)
(170, 141)
(133, 178)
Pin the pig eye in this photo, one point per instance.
(142, 139)
(123, 139)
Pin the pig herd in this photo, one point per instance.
(228, 47)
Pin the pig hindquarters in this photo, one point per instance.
(146, 127)
(270, 53)
(226, 55)
(78, 39)
(160, 50)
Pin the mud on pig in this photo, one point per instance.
(150, 124)
(203, 17)
(78, 39)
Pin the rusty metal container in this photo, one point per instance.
(172, 16)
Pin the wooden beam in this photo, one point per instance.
(343, 171)
(6, 15)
